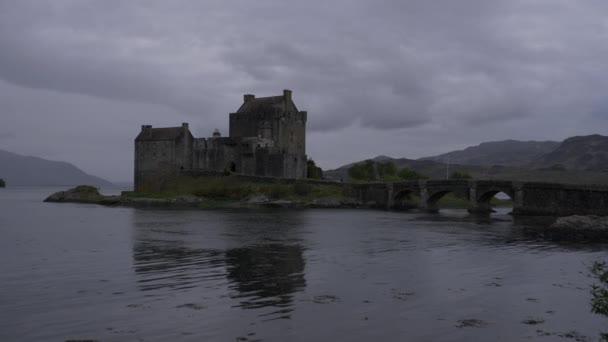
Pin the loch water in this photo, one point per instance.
(79, 271)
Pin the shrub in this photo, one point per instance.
(370, 170)
(410, 174)
(386, 170)
(460, 175)
(363, 171)
(312, 170)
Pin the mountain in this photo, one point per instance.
(436, 170)
(379, 158)
(582, 153)
(18, 170)
(432, 169)
(505, 153)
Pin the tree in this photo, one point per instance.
(312, 170)
(386, 170)
(460, 175)
(599, 293)
(363, 171)
(2, 183)
(410, 174)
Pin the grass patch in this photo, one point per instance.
(452, 201)
(497, 202)
(230, 188)
(86, 190)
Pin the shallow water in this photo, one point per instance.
(77, 271)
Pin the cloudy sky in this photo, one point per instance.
(403, 78)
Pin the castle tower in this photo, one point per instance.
(276, 118)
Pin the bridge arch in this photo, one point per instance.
(406, 199)
(431, 202)
(483, 196)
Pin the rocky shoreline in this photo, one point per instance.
(571, 228)
(91, 196)
(579, 228)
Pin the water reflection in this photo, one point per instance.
(257, 256)
(171, 265)
(266, 275)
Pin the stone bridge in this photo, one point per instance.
(528, 198)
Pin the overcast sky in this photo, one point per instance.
(402, 78)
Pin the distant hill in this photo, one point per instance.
(18, 170)
(511, 153)
(582, 153)
(577, 160)
(430, 168)
(379, 158)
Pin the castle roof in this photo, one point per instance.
(161, 134)
(263, 105)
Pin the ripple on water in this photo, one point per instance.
(285, 275)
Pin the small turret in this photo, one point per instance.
(216, 133)
(146, 130)
(287, 94)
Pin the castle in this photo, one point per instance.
(267, 137)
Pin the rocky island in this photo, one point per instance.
(218, 192)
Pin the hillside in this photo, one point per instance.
(430, 168)
(505, 153)
(18, 170)
(582, 153)
(435, 170)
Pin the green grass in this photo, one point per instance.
(86, 190)
(452, 201)
(230, 188)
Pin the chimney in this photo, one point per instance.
(184, 125)
(248, 97)
(287, 94)
(216, 133)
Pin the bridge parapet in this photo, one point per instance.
(553, 199)
(530, 198)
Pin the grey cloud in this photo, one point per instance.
(7, 135)
(404, 48)
(449, 69)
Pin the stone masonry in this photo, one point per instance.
(267, 137)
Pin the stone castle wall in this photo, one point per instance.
(267, 138)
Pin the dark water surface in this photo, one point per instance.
(75, 271)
